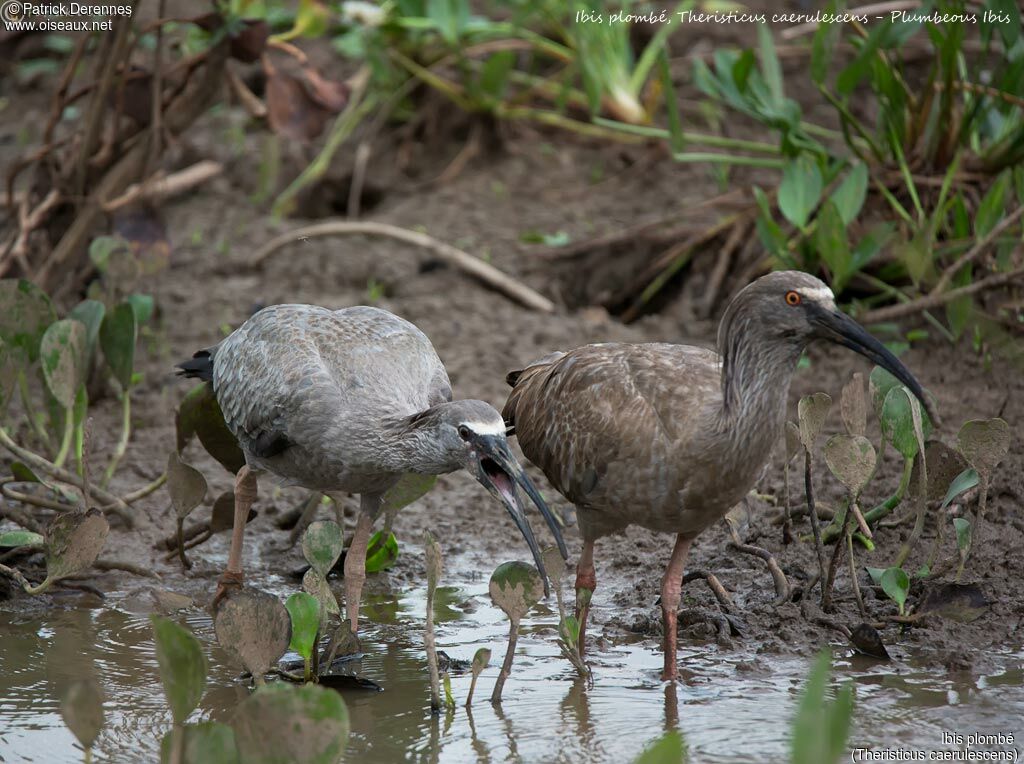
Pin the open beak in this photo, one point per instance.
(500, 473)
(838, 327)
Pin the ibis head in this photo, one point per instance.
(787, 310)
(470, 435)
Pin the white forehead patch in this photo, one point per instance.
(821, 294)
(486, 428)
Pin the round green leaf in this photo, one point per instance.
(143, 306)
(90, 314)
(292, 724)
(880, 382)
(20, 538)
(322, 544)
(118, 333)
(481, 658)
(199, 415)
(63, 354)
(205, 743)
(896, 584)
(304, 611)
(811, 412)
(25, 312)
(73, 542)
(381, 553)
(255, 628)
(516, 587)
(800, 189)
(903, 423)
(82, 709)
(182, 666)
(984, 443)
(185, 484)
(851, 458)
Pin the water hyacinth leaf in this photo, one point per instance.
(800, 189)
(25, 312)
(670, 748)
(82, 710)
(73, 542)
(963, 533)
(322, 544)
(903, 424)
(291, 724)
(182, 666)
(204, 743)
(984, 443)
(793, 444)
(851, 458)
(304, 611)
(63, 354)
(381, 552)
(185, 484)
(199, 415)
(896, 584)
(965, 481)
(20, 538)
(853, 406)
(24, 474)
(255, 628)
(118, 333)
(90, 314)
(317, 585)
(408, 489)
(515, 587)
(811, 412)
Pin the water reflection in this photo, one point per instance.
(548, 713)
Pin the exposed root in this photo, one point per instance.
(724, 600)
(782, 588)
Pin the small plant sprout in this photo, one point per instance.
(481, 658)
(515, 588)
(948, 477)
(62, 355)
(568, 625)
(811, 412)
(821, 726)
(791, 447)
(117, 335)
(984, 443)
(82, 710)
(851, 458)
(904, 426)
(896, 584)
(187, 488)
(283, 723)
(432, 554)
(72, 543)
(304, 611)
(255, 628)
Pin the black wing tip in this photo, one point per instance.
(200, 366)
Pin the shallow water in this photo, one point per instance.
(727, 711)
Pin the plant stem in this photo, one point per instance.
(877, 513)
(506, 666)
(146, 490)
(122, 443)
(977, 527)
(307, 674)
(65, 443)
(708, 158)
(472, 689)
(715, 141)
(853, 574)
(813, 512)
(826, 592)
(26, 402)
(922, 502)
(431, 648)
(185, 564)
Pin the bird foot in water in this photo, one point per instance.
(229, 581)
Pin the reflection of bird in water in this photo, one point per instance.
(671, 437)
(349, 401)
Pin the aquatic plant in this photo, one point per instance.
(187, 488)
(515, 587)
(984, 443)
(432, 553)
(811, 413)
(304, 612)
(72, 543)
(255, 628)
(568, 625)
(480, 660)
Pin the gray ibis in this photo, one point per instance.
(349, 401)
(670, 437)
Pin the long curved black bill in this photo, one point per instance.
(838, 327)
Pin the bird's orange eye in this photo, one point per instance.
(792, 298)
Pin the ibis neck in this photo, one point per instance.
(417, 449)
(756, 375)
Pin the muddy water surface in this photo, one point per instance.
(733, 706)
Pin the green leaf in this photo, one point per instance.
(871, 244)
(205, 743)
(965, 481)
(182, 666)
(322, 544)
(896, 584)
(117, 338)
(849, 197)
(20, 538)
(876, 574)
(25, 312)
(291, 724)
(304, 610)
(317, 585)
(200, 415)
(90, 313)
(63, 354)
(822, 47)
(821, 727)
(897, 419)
(880, 382)
(670, 748)
(832, 245)
(770, 64)
(960, 309)
(990, 210)
(515, 587)
(494, 74)
(800, 189)
(381, 553)
(963, 533)
(23, 474)
(143, 307)
(102, 248)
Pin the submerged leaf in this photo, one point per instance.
(255, 628)
(984, 443)
(322, 545)
(291, 724)
(25, 312)
(182, 666)
(853, 406)
(516, 587)
(851, 458)
(82, 709)
(63, 355)
(73, 542)
(185, 484)
(304, 611)
(199, 415)
(812, 411)
(204, 743)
